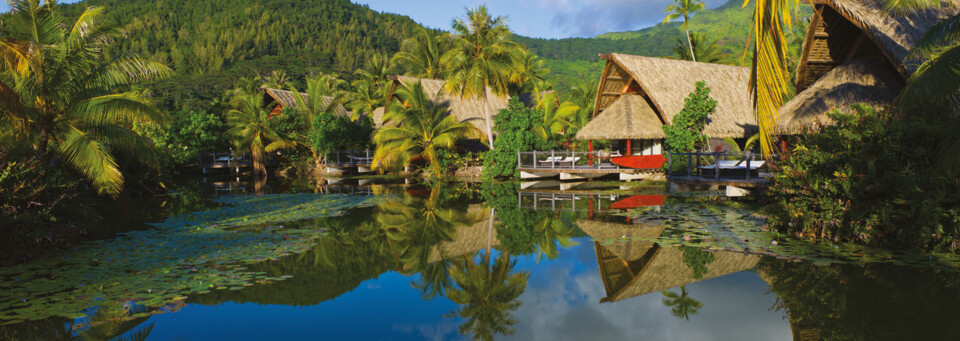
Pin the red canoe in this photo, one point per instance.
(640, 161)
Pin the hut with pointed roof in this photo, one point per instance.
(638, 95)
(854, 52)
(286, 99)
(632, 265)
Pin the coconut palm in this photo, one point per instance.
(528, 74)
(557, 117)
(251, 132)
(706, 50)
(682, 304)
(420, 56)
(584, 94)
(684, 9)
(69, 95)
(481, 59)
(487, 295)
(316, 102)
(422, 127)
(769, 77)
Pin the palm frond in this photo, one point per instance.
(91, 158)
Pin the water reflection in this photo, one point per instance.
(478, 259)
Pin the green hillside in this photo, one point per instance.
(213, 43)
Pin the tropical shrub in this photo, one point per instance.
(517, 127)
(188, 135)
(686, 132)
(332, 132)
(870, 178)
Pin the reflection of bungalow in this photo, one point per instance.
(631, 268)
(638, 95)
(854, 53)
(286, 99)
(469, 238)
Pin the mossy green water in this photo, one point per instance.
(193, 253)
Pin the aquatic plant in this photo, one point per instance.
(192, 253)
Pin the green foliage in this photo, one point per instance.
(706, 50)
(75, 97)
(517, 131)
(417, 129)
(189, 135)
(686, 132)
(332, 132)
(697, 260)
(870, 178)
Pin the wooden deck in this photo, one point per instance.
(709, 180)
(583, 169)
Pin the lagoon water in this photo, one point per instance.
(365, 261)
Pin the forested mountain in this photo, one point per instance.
(213, 43)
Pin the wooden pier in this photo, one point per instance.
(740, 170)
(572, 165)
(214, 161)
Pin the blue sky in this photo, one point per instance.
(534, 18)
(540, 18)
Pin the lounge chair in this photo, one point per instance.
(568, 161)
(733, 168)
(550, 162)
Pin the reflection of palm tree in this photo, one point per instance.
(552, 232)
(683, 305)
(487, 295)
(414, 227)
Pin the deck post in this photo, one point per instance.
(690, 164)
(519, 164)
(669, 164)
(716, 165)
(590, 149)
(553, 165)
(748, 157)
(699, 171)
(629, 147)
(338, 157)
(535, 159)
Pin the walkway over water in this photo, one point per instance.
(211, 161)
(739, 169)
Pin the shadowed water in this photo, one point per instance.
(360, 260)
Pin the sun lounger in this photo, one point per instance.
(550, 162)
(568, 161)
(735, 164)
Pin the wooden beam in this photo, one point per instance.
(822, 61)
(611, 94)
(614, 78)
(604, 56)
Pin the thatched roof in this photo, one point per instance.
(286, 99)
(661, 269)
(629, 117)
(853, 82)
(464, 110)
(469, 238)
(665, 83)
(842, 30)
(627, 248)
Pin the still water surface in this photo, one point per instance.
(456, 261)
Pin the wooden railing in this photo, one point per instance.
(565, 159)
(223, 160)
(346, 158)
(718, 165)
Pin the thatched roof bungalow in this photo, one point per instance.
(286, 99)
(638, 95)
(854, 52)
(631, 267)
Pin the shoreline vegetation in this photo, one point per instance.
(82, 119)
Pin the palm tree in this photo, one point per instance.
(487, 295)
(769, 77)
(683, 305)
(423, 128)
(683, 9)
(316, 102)
(420, 56)
(370, 86)
(707, 50)
(528, 74)
(557, 117)
(481, 59)
(251, 131)
(69, 95)
(584, 94)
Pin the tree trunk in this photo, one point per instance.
(490, 233)
(486, 116)
(256, 157)
(690, 43)
(42, 144)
